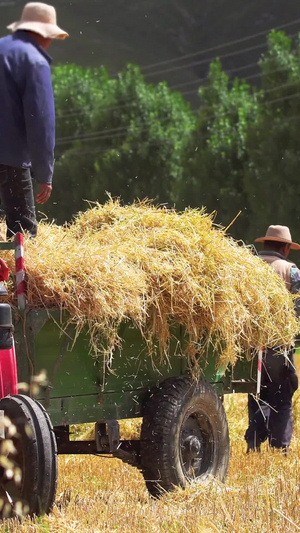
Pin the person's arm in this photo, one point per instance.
(39, 114)
(295, 287)
(295, 279)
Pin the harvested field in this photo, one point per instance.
(261, 493)
(157, 268)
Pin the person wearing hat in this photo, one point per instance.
(27, 117)
(271, 417)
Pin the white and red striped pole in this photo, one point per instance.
(20, 271)
(259, 369)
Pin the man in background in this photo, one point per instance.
(27, 116)
(271, 417)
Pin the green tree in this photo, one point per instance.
(241, 152)
(271, 177)
(78, 92)
(214, 171)
(122, 136)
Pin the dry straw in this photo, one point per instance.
(157, 268)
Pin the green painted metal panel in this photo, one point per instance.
(7, 245)
(45, 346)
(81, 387)
(242, 376)
(101, 407)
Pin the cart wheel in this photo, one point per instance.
(184, 436)
(36, 456)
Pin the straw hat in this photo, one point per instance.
(39, 18)
(279, 234)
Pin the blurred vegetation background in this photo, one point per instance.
(237, 151)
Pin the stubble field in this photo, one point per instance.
(261, 493)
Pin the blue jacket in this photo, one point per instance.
(27, 116)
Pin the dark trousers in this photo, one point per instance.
(17, 200)
(271, 417)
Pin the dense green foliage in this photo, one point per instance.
(121, 136)
(214, 168)
(273, 145)
(239, 152)
(248, 145)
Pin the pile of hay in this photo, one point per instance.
(157, 268)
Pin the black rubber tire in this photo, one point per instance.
(184, 435)
(36, 455)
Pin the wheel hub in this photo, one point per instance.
(192, 446)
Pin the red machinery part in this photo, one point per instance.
(8, 372)
(4, 270)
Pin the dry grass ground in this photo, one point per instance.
(261, 493)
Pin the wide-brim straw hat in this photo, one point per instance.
(279, 234)
(39, 18)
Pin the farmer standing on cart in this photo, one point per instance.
(27, 116)
(271, 417)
